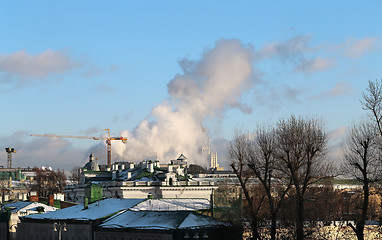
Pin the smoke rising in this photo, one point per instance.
(205, 89)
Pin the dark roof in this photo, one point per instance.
(181, 157)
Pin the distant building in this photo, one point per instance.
(212, 157)
(128, 180)
(216, 174)
(15, 183)
(180, 161)
(92, 164)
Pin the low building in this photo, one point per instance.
(15, 210)
(82, 221)
(164, 225)
(76, 222)
(128, 219)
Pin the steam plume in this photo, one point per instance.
(205, 89)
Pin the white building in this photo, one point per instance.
(20, 209)
(149, 178)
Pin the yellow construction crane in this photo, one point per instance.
(108, 139)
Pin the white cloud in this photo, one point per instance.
(340, 88)
(314, 65)
(336, 143)
(357, 48)
(290, 50)
(107, 89)
(276, 97)
(92, 131)
(40, 65)
(92, 71)
(21, 68)
(37, 151)
(294, 51)
(337, 133)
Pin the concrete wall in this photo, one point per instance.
(99, 235)
(3, 230)
(41, 231)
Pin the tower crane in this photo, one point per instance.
(108, 139)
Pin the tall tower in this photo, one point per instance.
(9, 156)
(214, 160)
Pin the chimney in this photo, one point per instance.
(51, 200)
(151, 167)
(86, 203)
(131, 165)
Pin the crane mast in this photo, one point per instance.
(108, 139)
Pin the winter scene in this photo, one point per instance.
(170, 120)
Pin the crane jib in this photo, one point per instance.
(107, 138)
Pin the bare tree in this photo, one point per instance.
(372, 102)
(264, 165)
(237, 153)
(301, 150)
(75, 175)
(49, 182)
(363, 162)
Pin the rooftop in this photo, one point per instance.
(94, 211)
(28, 206)
(110, 206)
(164, 220)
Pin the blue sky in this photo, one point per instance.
(76, 68)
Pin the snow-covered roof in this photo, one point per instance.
(94, 211)
(109, 206)
(165, 220)
(30, 206)
(189, 204)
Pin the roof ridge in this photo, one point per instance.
(188, 214)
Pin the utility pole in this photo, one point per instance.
(9, 156)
